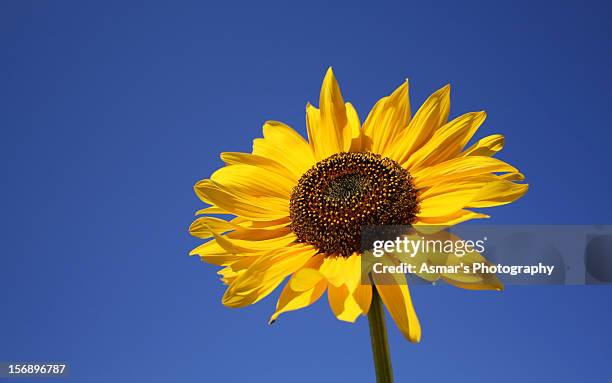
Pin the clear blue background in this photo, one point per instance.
(112, 111)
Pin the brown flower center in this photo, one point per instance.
(346, 191)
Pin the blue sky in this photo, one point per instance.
(111, 111)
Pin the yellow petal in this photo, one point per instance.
(304, 288)
(278, 137)
(447, 203)
(256, 208)
(490, 283)
(313, 128)
(265, 275)
(512, 177)
(228, 275)
(223, 244)
(237, 246)
(290, 299)
(442, 256)
(430, 116)
(343, 275)
(332, 270)
(447, 142)
(497, 193)
(331, 103)
(308, 276)
(474, 183)
(446, 198)
(261, 224)
(352, 130)
(201, 227)
(458, 169)
(259, 234)
(211, 210)
(340, 270)
(387, 119)
(470, 279)
(396, 298)
(305, 279)
(216, 255)
(452, 219)
(253, 181)
(237, 158)
(363, 297)
(325, 131)
(487, 146)
(244, 262)
(343, 303)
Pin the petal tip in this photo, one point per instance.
(329, 74)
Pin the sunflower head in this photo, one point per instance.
(298, 206)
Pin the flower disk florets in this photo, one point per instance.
(346, 191)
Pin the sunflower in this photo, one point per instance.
(294, 207)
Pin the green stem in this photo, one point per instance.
(378, 335)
